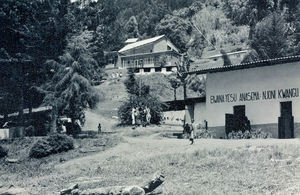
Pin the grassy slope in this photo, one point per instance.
(113, 92)
(38, 176)
(160, 86)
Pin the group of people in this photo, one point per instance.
(190, 130)
(140, 116)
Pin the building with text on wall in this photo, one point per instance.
(265, 92)
(156, 54)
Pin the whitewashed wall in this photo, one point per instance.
(174, 117)
(259, 80)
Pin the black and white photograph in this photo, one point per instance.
(149, 97)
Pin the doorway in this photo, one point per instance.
(286, 121)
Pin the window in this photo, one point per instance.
(141, 62)
(150, 60)
(169, 69)
(158, 69)
(135, 63)
(146, 69)
(137, 70)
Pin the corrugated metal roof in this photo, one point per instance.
(260, 63)
(229, 54)
(26, 111)
(140, 43)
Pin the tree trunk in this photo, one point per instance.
(30, 111)
(157, 179)
(6, 108)
(175, 94)
(184, 91)
(30, 106)
(53, 125)
(21, 100)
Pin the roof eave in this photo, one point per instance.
(261, 63)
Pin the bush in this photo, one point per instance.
(204, 133)
(3, 152)
(152, 103)
(252, 134)
(52, 144)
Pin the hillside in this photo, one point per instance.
(160, 86)
(113, 93)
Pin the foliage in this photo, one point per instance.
(176, 29)
(204, 134)
(52, 144)
(31, 32)
(131, 28)
(3, 152)
(139, 97)
(296, 34)
(270, 37)
(217, 29)
(197, 83)
(175, 82)
(130, 81)
(252, 134)
(182, 67)
(70, 90)
(250, 57)
(152, 103)
(242, 12)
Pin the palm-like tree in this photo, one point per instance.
(175, 83)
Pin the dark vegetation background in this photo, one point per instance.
(52, 52)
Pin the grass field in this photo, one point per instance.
(209, 166)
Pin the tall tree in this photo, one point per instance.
(182, 68)
(175, 82)
(131, 28)
(139, 97)
(176, 29)
(197, 83)
(270, 37)
(70, 91)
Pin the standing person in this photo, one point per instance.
(133, 114)
(192, 131)
(99, 128)
(148, 115)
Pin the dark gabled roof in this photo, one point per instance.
(180, 104)
(261, 63)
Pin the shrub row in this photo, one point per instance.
(204, 133)
(52, 144)
(252, 134)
